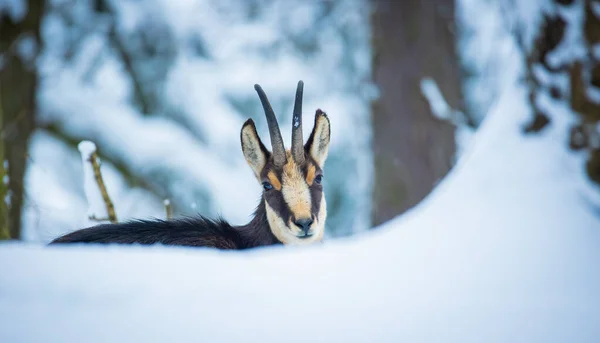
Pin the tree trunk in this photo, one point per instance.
(19, 45)
(413, 150)
(4, 230)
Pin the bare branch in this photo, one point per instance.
(98, 198)
(110, 209)
(121, 50)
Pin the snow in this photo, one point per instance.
(441, 110)
(26, 48)
(481, 21)
(572, 46)
(86, 149)
(504, 249)
(596, 8)
(439, 106)
(16, 9)
(8, 198)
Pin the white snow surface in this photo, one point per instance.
(505, 249)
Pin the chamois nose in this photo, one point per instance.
(304, 224)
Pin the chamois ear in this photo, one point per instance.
(254, 150)
(317, 145)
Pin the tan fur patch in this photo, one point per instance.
(274, 180)
(310, 175)
(295, 190)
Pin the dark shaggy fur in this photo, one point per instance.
(197, 232)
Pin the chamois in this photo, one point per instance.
(292, 209)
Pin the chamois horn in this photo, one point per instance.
(297, 140)
(279, 157)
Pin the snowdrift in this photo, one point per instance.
(505, 249)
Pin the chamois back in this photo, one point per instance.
(196, 232)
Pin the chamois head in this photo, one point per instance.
(291, 179)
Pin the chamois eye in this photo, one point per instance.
(267, 186)
(319, 179)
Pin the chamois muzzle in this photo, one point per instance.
(304, 225)
(279, 157)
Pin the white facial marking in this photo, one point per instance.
(319, 225)
(288, 234)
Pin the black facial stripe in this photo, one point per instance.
(316, 193)
(269, 167)
(278, 204)
(316, 190)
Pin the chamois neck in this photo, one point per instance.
(257, 232)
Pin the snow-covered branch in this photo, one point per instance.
(168, 209)
(465, 126)
(101, 207)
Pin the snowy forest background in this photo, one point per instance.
(462, 183)
(163, 87)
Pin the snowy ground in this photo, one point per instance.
(504, 250)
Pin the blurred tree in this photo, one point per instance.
(585, 76)
(413, 149)
(546, 54)
(19, 46)
(4, 230)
